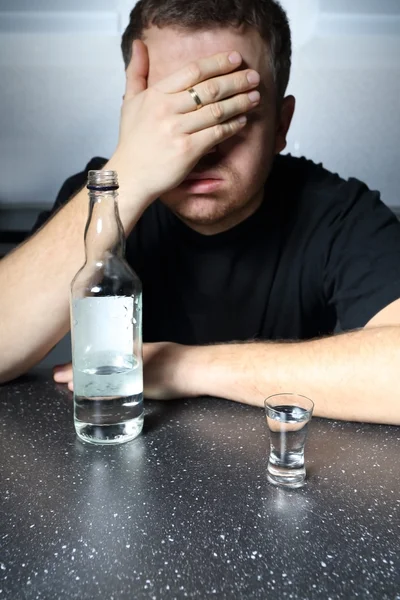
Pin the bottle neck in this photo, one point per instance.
(104, 234)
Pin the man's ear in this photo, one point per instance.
(284, 119)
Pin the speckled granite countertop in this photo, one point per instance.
(185, 511)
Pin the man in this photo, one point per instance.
(249, 260)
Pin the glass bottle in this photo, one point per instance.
(106, 326)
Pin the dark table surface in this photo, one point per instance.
(185, 510)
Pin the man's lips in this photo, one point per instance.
(202, 183)
(203, 177)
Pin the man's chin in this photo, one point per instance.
(200, 210)
(196, 219)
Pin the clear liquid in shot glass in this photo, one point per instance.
(288, 426)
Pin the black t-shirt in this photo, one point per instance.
(319, 253)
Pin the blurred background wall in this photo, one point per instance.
(62, 80)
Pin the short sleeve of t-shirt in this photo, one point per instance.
(362, 267)
(69, 188)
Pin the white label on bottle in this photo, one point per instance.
(103, 324)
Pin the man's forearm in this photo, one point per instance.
(353, 376)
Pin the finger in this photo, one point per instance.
(219, 88)
(220, 112)
(71, 385)
(138, 70)
(201, 70)
(208, 138)
(62, 373)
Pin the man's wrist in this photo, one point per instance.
(133, 195)
(221, 370)
(191, 370)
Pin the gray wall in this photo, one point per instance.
(62, 80)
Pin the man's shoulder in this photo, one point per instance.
(304, 175)
(76, 181)
(314, 200)
(71, 186)
(312, 189)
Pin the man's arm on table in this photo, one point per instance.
(353, 376)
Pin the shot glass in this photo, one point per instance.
(288, 416)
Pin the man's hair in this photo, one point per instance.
(266, 16)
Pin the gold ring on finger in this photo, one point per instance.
(196, 98)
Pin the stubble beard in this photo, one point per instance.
(214, 209)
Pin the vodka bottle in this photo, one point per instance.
(106, 326)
